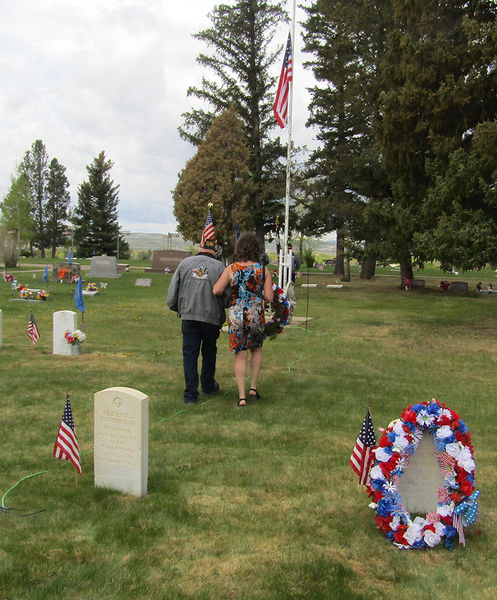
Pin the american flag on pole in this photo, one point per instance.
(208, 232)
(278, 241)
(362, 455)
(33, 333)
(280, 107)
(66, 444)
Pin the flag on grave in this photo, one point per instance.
(33, 333)
(66, 444)
(362, 455)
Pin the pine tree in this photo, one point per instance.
(58, 199)
(219, 174)
(240, 36)
(35, 167)
(96, 227)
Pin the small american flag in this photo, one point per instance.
(66, 444)
(280, 107)
(208, 233)
(33, 333)
(362, 455)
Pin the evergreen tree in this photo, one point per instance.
(35, 168)
(345, 41)
(440, 82)
(95, 219)
(219, 174)
(240, 36)
(58, 199)
(16, 222)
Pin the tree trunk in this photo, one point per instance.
(346, 275)
(339, 264)
(405, 266)
(369, 265)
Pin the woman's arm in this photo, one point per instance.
(268, 286)
(223, 282)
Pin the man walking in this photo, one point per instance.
(202, 314)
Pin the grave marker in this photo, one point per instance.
(104, 267)
(144, 282)
(121, 440)
(63, 320)
(422, 478)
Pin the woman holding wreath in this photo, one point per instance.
(250, 284)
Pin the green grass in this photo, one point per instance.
(255, 503)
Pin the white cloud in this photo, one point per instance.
(91, 76)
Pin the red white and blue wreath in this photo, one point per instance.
(457, 504)
(281, 308)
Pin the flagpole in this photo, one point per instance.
(286, 271)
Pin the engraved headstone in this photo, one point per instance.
(104, 267)
(121, 440)
(422, 478)
(166, 259)
(459, 287)
(143, 282)
(63, 320)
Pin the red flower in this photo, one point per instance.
(383, 523)
(384, 441)
(467, 488)
(409, 415)
(398, 536)
(456, 497)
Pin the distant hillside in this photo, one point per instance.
(173, 241)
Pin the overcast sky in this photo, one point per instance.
(112, 75)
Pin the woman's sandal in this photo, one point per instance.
(240, 400)
(255, 396)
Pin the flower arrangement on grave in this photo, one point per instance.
(281, 313)
(457, 504)
(24, 292)
(43, 295)
(91, 287)
(74, 279)
(75, 337)
(8, 277)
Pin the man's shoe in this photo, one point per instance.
(215, 388)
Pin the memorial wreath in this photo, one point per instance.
(457, 504)
(281, 309)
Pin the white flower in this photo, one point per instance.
(465, 460)
(400, 443)
(382, 455)
(431, 538)
(444, 432)
(413, 534)
(390, 486)
(376, 473)
(425, 418)
(454, 449)
(446, 510)
(372, 505)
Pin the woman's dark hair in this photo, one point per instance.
(247, 248)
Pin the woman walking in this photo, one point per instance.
(250, 284)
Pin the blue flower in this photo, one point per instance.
(448, 544)
(433, 408)
(377, 484)
(391, 436)
(390, 535)
(418, 407)
(419, 544)
(450, 531)
(385, 506)
(463, 428)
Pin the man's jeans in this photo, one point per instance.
(199, 336)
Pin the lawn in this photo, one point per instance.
(255, 503)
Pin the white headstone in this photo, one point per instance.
(422, 478)
(121, 440)
(63, 320)
(104, 266)
(143, 282)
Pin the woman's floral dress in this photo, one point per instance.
(246, 311)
